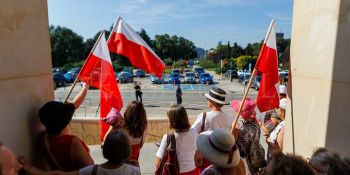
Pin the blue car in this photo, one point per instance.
(69, 77)
(157, 80)
(205, 78)
(139, 73)
(174, 78)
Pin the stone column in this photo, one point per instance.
(25, 71)
(320, 68)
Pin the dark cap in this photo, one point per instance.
(56, 116)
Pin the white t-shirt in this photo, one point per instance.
(213, 120)
(124, 169)
(185, 149)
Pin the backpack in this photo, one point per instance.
(169, 163)
(257, 153)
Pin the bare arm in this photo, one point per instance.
(157, 162)
(279, 141)
(79, 98)
(109, 130)
(80, 154)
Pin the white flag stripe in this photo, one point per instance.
(101, 50)
(130, 34)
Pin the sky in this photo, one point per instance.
(204, 22)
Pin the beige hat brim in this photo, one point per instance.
(214, 156)
(215, 100)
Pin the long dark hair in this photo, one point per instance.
(178, 118)
(135, 119)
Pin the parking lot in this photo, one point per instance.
(158, 97)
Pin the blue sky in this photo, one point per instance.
(205, 22)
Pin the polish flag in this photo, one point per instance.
(125, 41)
(98, 72)
(267, 64)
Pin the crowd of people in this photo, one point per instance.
(206, 147)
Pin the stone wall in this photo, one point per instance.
(25, 71)
(88, 129)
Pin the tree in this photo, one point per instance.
(174, 47)
(243, 61)
(66, 46)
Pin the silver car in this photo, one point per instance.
(190, 78)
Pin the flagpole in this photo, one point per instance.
(250, 81)
(76, 78)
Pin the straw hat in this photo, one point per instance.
(217, 95)
(219, 148)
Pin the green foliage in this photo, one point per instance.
(117, 67)
(208, 64)
(244, 60)
(168, 70)
(179, 64)
(71, 65)
(66, 46)
(168, 62)
(174, 47)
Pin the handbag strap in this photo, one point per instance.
(203, 121)
(172, 141)
(49, 153)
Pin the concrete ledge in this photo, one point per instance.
(88, 129)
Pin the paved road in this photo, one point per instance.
(158, 97)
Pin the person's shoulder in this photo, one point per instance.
(129, 169)
(86, 170)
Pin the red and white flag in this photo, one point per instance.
(98, 72)
(125, 41)
(267, 64)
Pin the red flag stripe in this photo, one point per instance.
(125, 41)
(267, 64)
(98, 72)
(135, 53)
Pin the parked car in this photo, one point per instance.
(174, 78)
(186, 70)
(157, 80)
(284, 75)
(125, 77)
(205, 78)
(190, 78)
(128, 69)
(243, 77)
(59, 69)
(232, 73)
(177, 71)
(75, 71)
(139, 73)
(241, 72)
(59, 79)
(198, 71)
(69, 77)
(255, 82)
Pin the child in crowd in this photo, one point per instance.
(134, 125)
(212, 120)
(185, 140)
